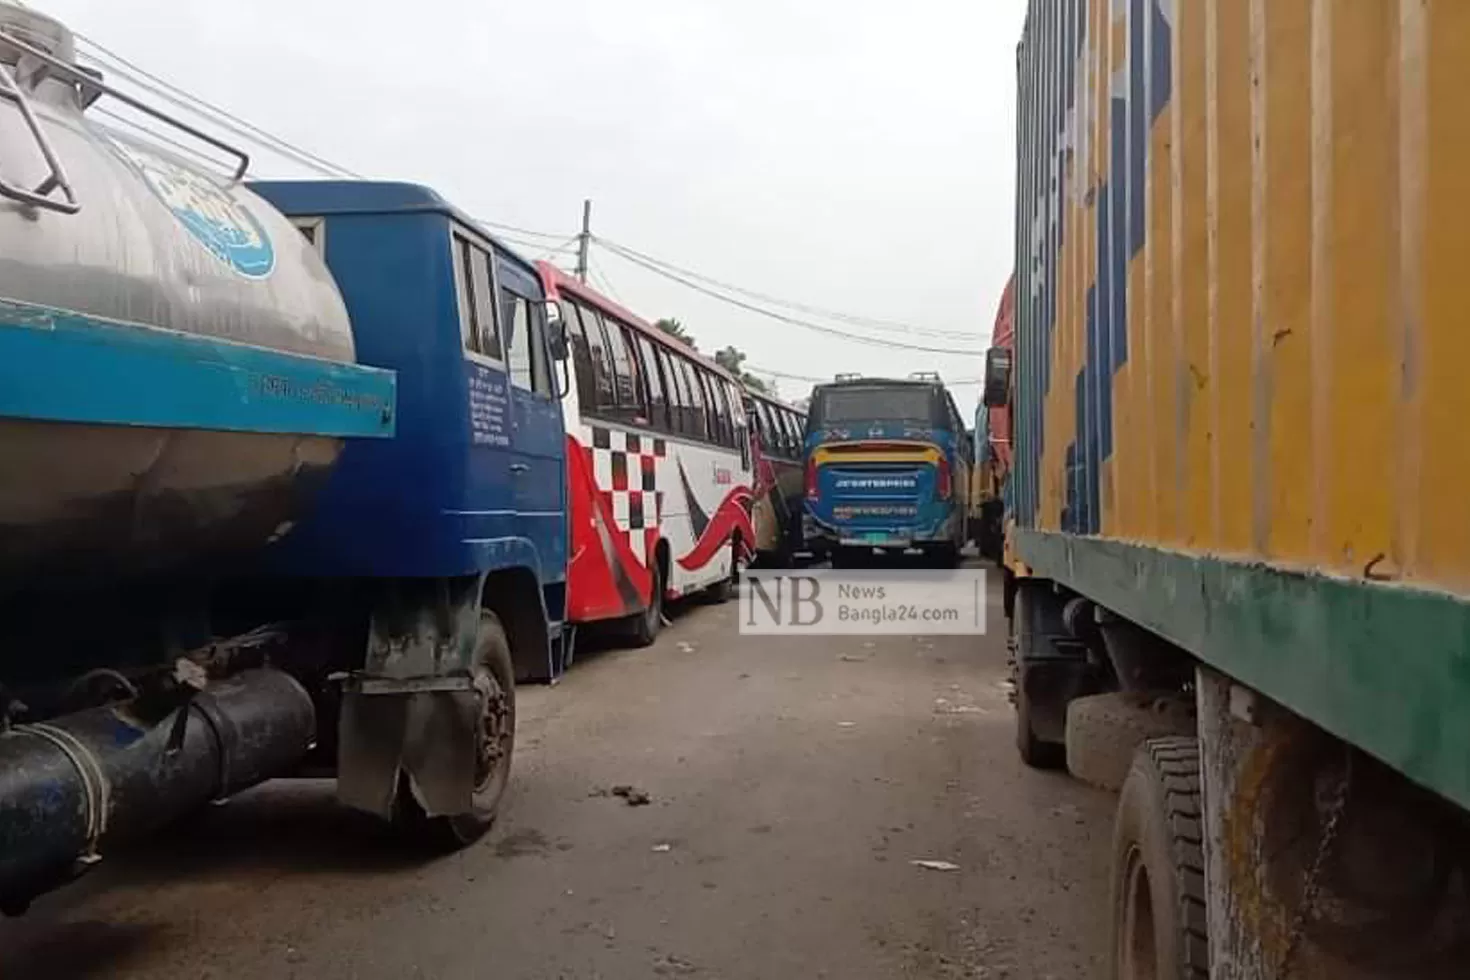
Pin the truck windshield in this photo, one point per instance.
(874, 403)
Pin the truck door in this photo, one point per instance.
(537, 457)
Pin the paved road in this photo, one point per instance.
(792, 782)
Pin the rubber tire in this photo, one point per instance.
(644, 627)
(722, 591)
(1158, 834)
(1035, 752)
(454, 832)
(1104, 732)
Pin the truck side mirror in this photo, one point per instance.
(997, 377)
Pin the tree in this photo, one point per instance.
(674, 328)
(732, 359)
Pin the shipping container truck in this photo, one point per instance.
(992, 442)
(276, 496)
(1239, 542)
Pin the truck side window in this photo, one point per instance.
(516, 316)
(488, 331)
(541, 377)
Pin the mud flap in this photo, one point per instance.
(412, 711)
(427, 736)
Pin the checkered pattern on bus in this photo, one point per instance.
(625, 467)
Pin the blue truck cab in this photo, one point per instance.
(456, 529)
(887, 468)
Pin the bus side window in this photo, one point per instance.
(624, 383)
(719, 411)
(606, 403)
(581, 356)
(472, 285)
(698, 420)
(678, 395)
(790, 438)
(641, 412)
(711, 415)
(658, 401)
(712, 407)
(768, 431)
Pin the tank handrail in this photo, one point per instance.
(40, 196)
(90, 85)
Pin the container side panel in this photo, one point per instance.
(1151, 154)
(1190, 136)
(1229, 267)
(1286, 492)
(1444, 534)
(1355, 383)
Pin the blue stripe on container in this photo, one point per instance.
(60, 366)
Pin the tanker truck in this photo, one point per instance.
(252, 524)
(1238, 548)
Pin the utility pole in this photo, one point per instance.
(584, 241)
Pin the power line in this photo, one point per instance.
(161, 87)
(794, 321)
(187, 100)
(871, 322)
(501, 226)
(784, 376)
(606, 282)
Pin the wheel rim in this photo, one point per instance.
(1137, 947)
(496, 730)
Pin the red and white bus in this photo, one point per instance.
(659, 464)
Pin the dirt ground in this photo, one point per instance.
(792, 783)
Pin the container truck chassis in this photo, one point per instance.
(1290, 749)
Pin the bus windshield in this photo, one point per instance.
(876, 403)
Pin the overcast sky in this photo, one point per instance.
(852, 154)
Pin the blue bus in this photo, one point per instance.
(887, 470)
(454, 531)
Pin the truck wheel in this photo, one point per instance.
(1158, 877)
(1104, 732)
(1036, 752)
(494, 679)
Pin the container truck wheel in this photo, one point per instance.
(1036, 752)
(1040, 693)
(1158, 876)
(1104, 731)
(494, 680)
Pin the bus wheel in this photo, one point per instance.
(722, 590)
(1159, 927)
(943, 556)
(646, 624)
(494, 681)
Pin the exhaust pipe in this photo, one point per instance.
(71, 784)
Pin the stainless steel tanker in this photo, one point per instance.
(145, 424)
(176, 373)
